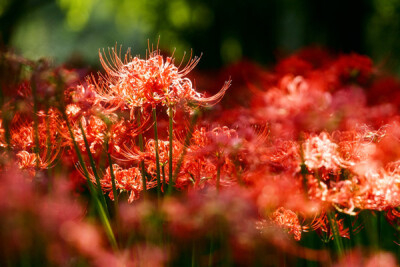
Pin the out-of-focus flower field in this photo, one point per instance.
(151, 163)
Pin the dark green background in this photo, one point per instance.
(225, 31)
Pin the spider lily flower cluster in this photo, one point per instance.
(306, 151)
(135, 82)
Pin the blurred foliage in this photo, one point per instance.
(225, 31)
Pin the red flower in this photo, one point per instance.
(353, 68)
(288, 220)
(150, 82)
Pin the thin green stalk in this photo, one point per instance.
(114, 188)
(164, 183)
(336, 236)
(100, 209)
(106, 224)
(210, 256)
(141, 147)
(157, 154)
(184, 151)
(193, 254)
(170, 114)
(379, 226)
(337, 239)
(93, 166)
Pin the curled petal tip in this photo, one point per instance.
(212, 100)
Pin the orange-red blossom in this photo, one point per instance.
(156, 80)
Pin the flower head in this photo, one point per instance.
(153, 81)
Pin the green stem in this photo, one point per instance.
(184, 151)
(106, 223)
(336, 236)
(379, 226)
(102, 213)
(210, 256)
(157, 154)
(164, 183)
(93, 166)
(114, 188)
(352, 238)
(193, 254)
(170, 161)
(141, 147)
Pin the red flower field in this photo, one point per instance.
(142, 165)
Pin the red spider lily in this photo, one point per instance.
(23, 134)
(353, 68)
(393, 217)
(283, 190)
(308, 152)
(32, 156)
(121, 132)
(95, 131)
(30, 161)
(287, 220)
(324, 228)
(291, 106)
(364, 189)
(358, 145)
(141, 83)
(380, 190)
(126, 180)
(387, 149)
(304, 62)
(219, 141)
(134, 156)
(85, 98)
(383, 91)
(293, 65)
(148, 155)
(213, 157)
(319, 152)
(281, 156)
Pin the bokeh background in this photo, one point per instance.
(224, 31)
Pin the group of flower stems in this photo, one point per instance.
(163, 188)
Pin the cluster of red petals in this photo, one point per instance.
(333, 134)
(126, 180)
(288, 220)
(136, 82)
(313, 137)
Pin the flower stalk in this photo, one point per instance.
(141, 147)
(102, 211)
(170, 162)
(158, 172)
